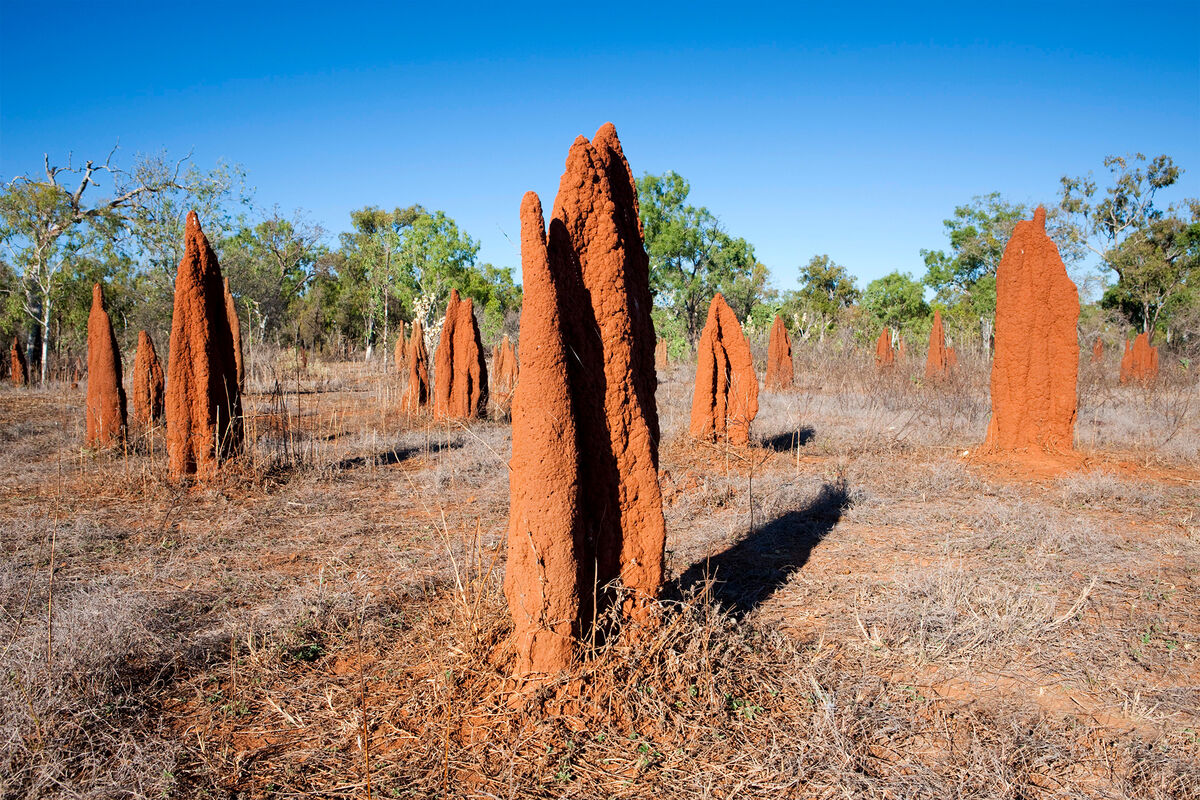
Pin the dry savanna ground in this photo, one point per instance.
(855, 608)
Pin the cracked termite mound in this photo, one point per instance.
(937, 361)
(416, 392)
(148, 384)
(1140, 361)
(585, 509)
(460, 387)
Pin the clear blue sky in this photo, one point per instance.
(806, 129)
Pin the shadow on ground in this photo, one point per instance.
(751, 570)
(396, 455)
(789, 440)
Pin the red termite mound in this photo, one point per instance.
(586, 507)
(504, 367)
(937, 363)
(662, 356)
(1036, 362)
(780, 372)
(399, 353)
(105, 392)
(460, 390)
(884, 355)
(416, 393)
(235, 330)
(725, 399)
(203, 403)
(1140, 362)
(19, 372)
(1097, 351)
(147, 383)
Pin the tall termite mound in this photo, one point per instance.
(780, 372)
(725, 398)
(203, 404)
(884, 355)
(504, 368)
(19, 372)
(147, 383)
(1140, 361)
(1097, 351)
(585, 504)
(1036, 363)
(416, 393)
(235, 330)
(105, 391)
(460, 389)
(399, 354)
(662, 356)
(937, 362)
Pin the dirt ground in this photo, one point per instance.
(859, 605)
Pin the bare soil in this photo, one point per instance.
(857, 606)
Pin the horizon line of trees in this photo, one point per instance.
(71, 226)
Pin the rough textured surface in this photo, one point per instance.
(147, 383)
(460, 388)
(1097, 351)
(936, 364)
(725, 399)
(105, 408)
(203, 404)
(662, 357)
(585, 423)
(18, 371)
(1140, 361)
(416, 393)
(504, 368)
(1036, 363)
(780, 371)
(884, 355)
(235, 330)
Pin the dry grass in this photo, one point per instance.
(854, 609)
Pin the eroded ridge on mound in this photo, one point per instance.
(460, 389)
(586, 507)
(203, 402)
(148, 384)
(780, 371)
(1140, 361)
(1036, 360)
(725, 398)
(105, 409)
(416, 393)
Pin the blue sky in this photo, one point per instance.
(806, 129)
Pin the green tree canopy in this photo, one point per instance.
(692, 257)
(896, 300)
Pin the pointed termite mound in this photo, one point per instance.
(399, 353)
(884, 355)
(235, 330)
(1036, 364)
(18, 371)
(460, 389)
(203, 404)
(725, 399)
(937, 364)
(1098, 351)
(105, 392)
(504, 378)
(780, 372)
(586, 507)
(416, 393)
(147, 383)
(1140, 362)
